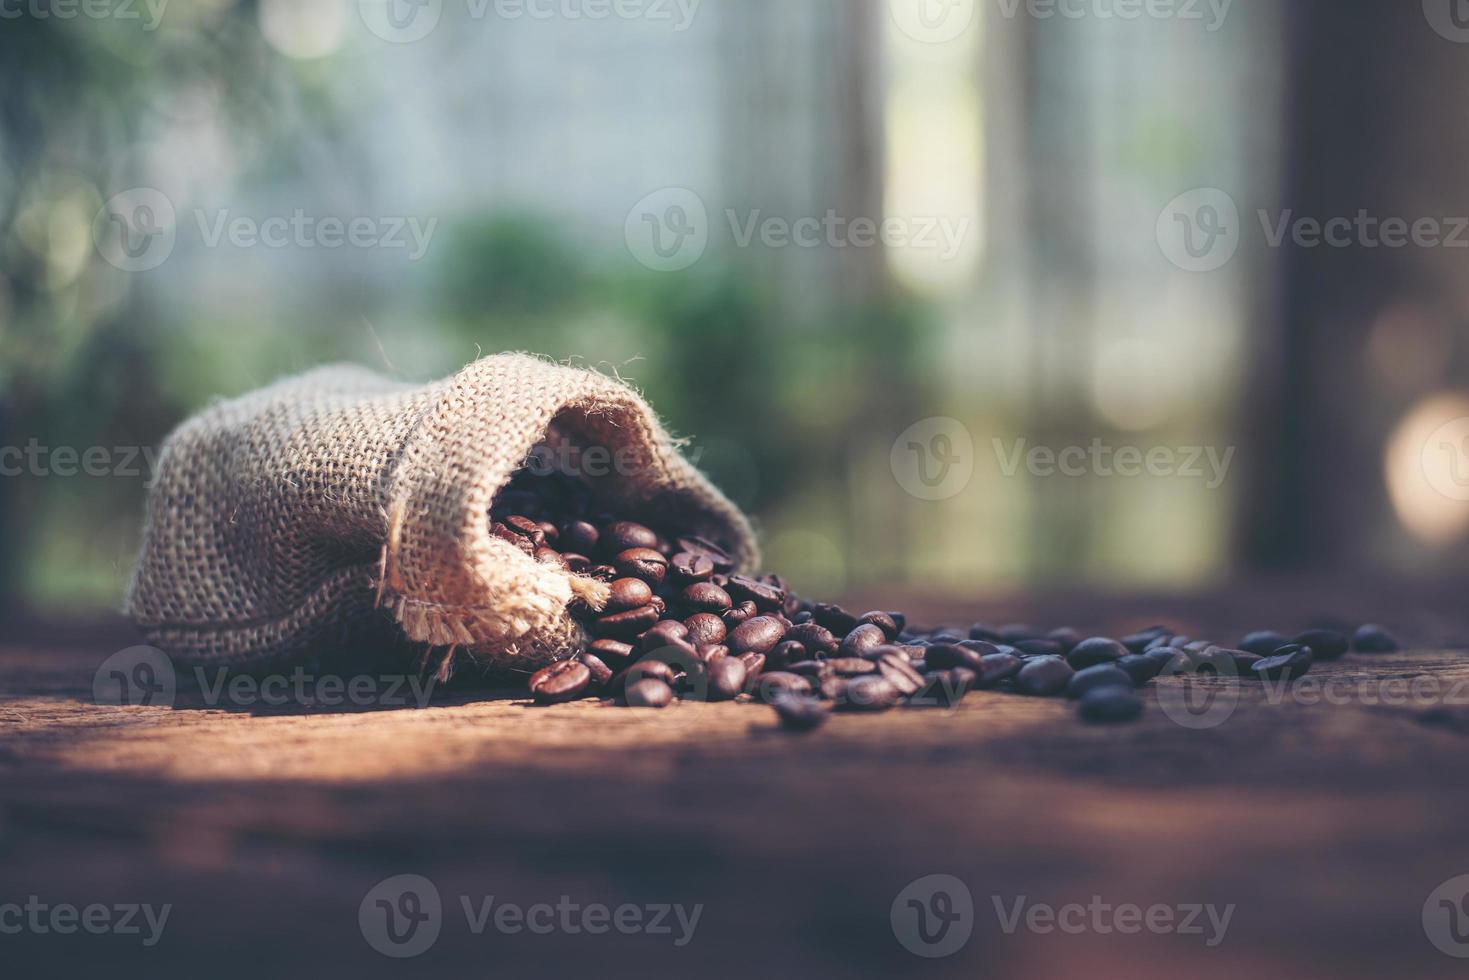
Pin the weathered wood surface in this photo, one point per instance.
(1326, 826)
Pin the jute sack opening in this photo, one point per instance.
(341, 507)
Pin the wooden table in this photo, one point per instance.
(1325, 826)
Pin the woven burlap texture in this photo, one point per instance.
(331, 507)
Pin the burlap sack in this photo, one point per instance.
(340, 507)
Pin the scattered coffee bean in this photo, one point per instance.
(613, 652)
(628, 593)
(1102, 675)
(785, 652)
(942, 656)
(598, 669)
(1095, 650)
(814, 637)
(758, 635)
(1142, 639)
(834, 618)
(643, 563)
(564, 680)
(883, 621)
(626, 625)
(870, 692)
(943, 688)
(1324, 644)
(850, 666)
(578, 536)
(1043, 677)
(778, 682)
(686, 568)
(998, 667)
(703, 546)
(1110, 705)
(726, 679)
(766, 597)
(861, 639)
(1286, 664)
(799, 714)
(705, 627)
(898, 669)
(705, 597)
(648, 693)
(668, 633)
(1067, 637)
(1263, 642)
(621, 536)
(1373, 639)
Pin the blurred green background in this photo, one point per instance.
(527, 142)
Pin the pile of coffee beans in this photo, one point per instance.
(681, 623)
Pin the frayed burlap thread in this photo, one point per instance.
(341, 507)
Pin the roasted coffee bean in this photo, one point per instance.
(1095, 650)
(643, 563)
(620, 536)
(946, 636)
(942, 656)
(860, 640)
(943, 688)
(799, 714)
(815, 669)
(738, 615)
(648, 693)
(1373, 639)
(804, 616)
(669, 632)
(754, 665)
(705, 627)
(1040, 648)
(899, 620)
(883, 621)
(997, 667)
(898, 669)
(1090, 678)
(550, 556)
(578, 536)
(850, 666)
(598, 668)
(983, 631)
(870, 692)
(774, 683)
(604, 573)
(832, 687)
(526, 527)
(726, 678)
(983, 647)
(657, 603)
(759, 635)
(703, 546)
(1285, 664)
(1043, 677)
(705, 597)
(1066, 636)
(1140, 667)
(708, 653)
(576, 563)
(766, 597)
(1144, 638)
(834, 618)
(510, 537)
(550, 532)
(628, 593)
(814, 637)
(613, 652)
(648, 667)
(1110, 705)
(561, 681)
(1324, 644)
(1014, 633)
(625, 625)
(686, 568)
(787, 652)
(1218, 661)
(1263, 642)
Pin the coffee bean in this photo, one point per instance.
(1140, 667)
(625, 625)
(628, 593)
(799, 714)
(643, 563)
(831, 687)
(815, 669)
(814, 637)
(648, 667)
(1373, 639)
(561, 681)
(754, 665)
(766, 597)
(578, 536)
(1144, 638)
(669, 632)
(550, 556)
(1095, 650)
(870, 692)
(526, 527)
(1090, 678)
(686, 568)
(598, 668)
(946, 636)
(899, 620)
(850, 666)
(777, 682)
(787, 652)
(1324, 644)
(883, 621)
(759, 635)
(861, 639)
(1040, 648)
(943, 688)
(648, 693)
(738, 614)
(703, 546)
(620, 536)
(613, 652)
(900, 673)
(1014, 633)
(1218, 661)
(705, 597)
(510, 537)
(834, 618)
(577, 563)
(726, 678)
(705, 627)
(1263, 642)
(1066, 637)
(1043, 677)
(1110, 705)
(982, 631)
(997, 667)
(1286, 664)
